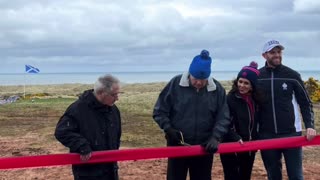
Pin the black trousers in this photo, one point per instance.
(107, 176)
(237, 166)
(199, 168)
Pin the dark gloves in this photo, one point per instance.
(85, 149)
(173, 137)
(211, 146)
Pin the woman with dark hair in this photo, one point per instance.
(242, 100)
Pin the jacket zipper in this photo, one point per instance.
(196, 116)
(250, 129)
(273, 106)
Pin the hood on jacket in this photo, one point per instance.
(89, 98)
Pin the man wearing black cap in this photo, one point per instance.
(280, 117)
(192, 109)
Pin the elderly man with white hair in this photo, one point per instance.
(93, 123)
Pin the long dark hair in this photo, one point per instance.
(257, 94)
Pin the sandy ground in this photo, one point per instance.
(129, 170)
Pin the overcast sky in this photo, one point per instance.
(154, 35)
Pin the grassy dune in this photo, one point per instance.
(39, 114)
(40, 111)
(27, 126)
(61, 90)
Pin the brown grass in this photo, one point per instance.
(27, 126)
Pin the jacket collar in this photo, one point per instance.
(92, 101)
(184, 82)
(270, 68)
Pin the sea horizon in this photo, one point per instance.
(125, 77)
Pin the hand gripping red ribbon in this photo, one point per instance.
(151, 153)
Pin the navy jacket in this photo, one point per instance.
(243, 126)
(198, 115)
(285, 94)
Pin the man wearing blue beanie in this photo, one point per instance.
(192, 110)
(200, 67)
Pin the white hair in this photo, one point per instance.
(104, 84)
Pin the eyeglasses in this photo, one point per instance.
(115, 95)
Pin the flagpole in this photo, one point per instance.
(29, 69)
(24, 87)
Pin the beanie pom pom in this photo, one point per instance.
(205, 54)
(254, 64)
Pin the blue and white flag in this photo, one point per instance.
(31, 69)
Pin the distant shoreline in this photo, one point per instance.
(125, 77)
(120, 72)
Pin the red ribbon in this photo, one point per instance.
(152, 153)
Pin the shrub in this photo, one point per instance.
(313, 88)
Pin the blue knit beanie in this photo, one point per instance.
(250, 72)
(200, 67)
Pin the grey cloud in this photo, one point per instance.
(150, 33)
(307, 6)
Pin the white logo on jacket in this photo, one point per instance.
(284, 86)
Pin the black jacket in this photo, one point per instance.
(198, 115)
(86, 126)
(285, 93)
(242, 126)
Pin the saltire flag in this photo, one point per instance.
(31, 69)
